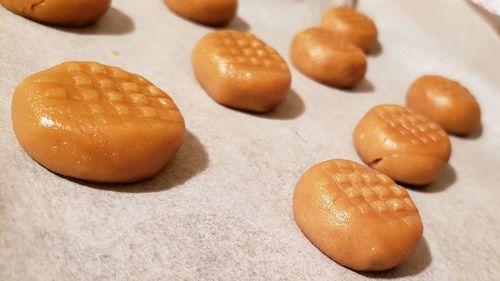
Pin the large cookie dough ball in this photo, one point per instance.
(95, 122)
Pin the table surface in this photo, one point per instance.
(222, 208)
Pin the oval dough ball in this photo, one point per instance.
(357, 216)
(209, 12)
(352, 26)
(319, 54)
(446, 102)
(240, 71)
(403, 144)
(95, 122)
(59, 12)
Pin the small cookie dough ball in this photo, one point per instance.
(446, 102)
(320, 55)
(357, 216)
(96, 122)
(403, 144)
(352, 26)
(209, 12)
(59, 12)
(240, 71)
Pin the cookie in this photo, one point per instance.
(446, 102)
(357, 216)
(320, 55)
(351, 26)
(95, 122)
(240, 71)
(71, 13)
(403, 144)
(209, 12)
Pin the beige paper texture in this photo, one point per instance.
(222, 209)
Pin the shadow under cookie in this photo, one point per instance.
(191, 159)
(114, 22)
(419, 260)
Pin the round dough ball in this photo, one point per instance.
(320, 55)
(446, 102)
(95, 122)
(403, 144)
(240, 71)
(352, 26)
(209, 12)
(357, 216)
(59, 12)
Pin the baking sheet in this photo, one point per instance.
(222, 209)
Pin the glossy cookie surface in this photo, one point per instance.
(322, 56)
(351, 26)
(209, 12)
(240, 71)
(447, 102)
(357, 216)
(403, 144)
(59, 12)
(95, 122)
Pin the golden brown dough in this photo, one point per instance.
(319, 54)
(355, 215)
(59, 12)
(446, 102)
(95, 122)
(351, 26)
(210, 12)
(403, 144)
(240, 71)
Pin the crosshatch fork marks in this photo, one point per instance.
(411, 125)
(106, 94)
(246, 50)
(370, 192)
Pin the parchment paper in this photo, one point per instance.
(222, 209)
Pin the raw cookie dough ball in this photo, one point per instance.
(59, 12)
(319, 54)
(357, 216)
(240, 71)
(446, 102)
(95, 122)
(352, 26)
(403, 144)
(210, 12)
